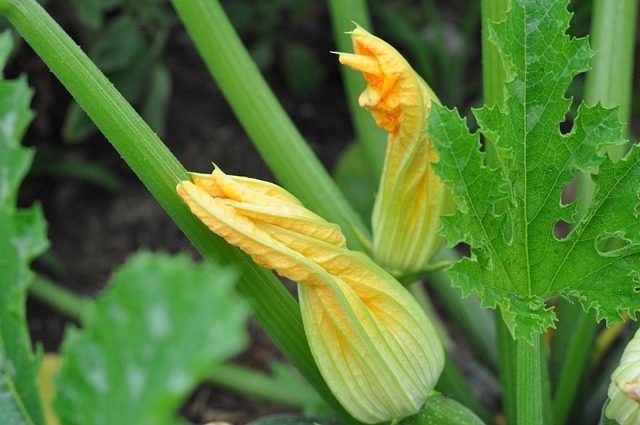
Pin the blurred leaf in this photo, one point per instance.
(154, 109)
(131, 82)
(241, 15)
(263, 53)
(77, 124)
(356, 180)
(22, 237)
(90, 12)
(148, 341)
(303, 73)
(119, 46)
(296, 420)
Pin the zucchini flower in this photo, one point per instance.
(373, 344)
(624, 390)
(411, 198)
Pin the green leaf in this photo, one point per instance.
(119, 46)
(90, 12)
(22, 237)
(148, 341)
(303, 72)
(156, 102)
(508, 214)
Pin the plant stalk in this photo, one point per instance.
(270, 303)
(529, 388)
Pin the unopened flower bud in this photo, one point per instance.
(411, 198)
(624, 390)
(373, 344)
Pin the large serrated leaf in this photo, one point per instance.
(22, 237)
(507, 212)
(148, 341)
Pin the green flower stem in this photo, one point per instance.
(270, 303)
(371, 138)
(256, 384)
(58, 297)
(530, 394)
(263, 118)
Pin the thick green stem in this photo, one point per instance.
(371, 138)
(529, 389)
(263, 118)
(270, 303)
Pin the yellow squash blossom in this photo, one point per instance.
(372, 342)
(411, 198)
(624, 390)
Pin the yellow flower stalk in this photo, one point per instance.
(624, 390)
(373, 344)
(411, 198)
